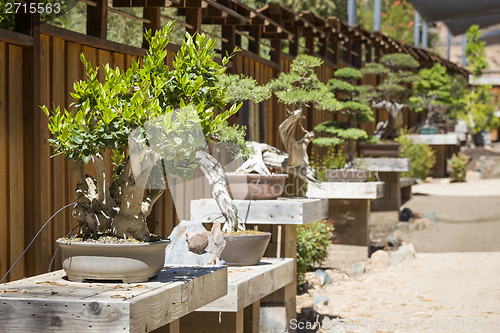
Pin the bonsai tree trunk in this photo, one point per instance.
(393, 108)
(349, 145)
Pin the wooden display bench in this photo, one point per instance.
(280, 217)
(406, 192)
(444, 146)
(49, 302)
(349, 207)
(239, 310)
(388, 170)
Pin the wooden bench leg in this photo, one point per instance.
(392, 193)
(209, 322)
(173, 327)
(251, 318)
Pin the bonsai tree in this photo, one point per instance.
(479, 110)
(153, 120)
(392, 94)
(300, 88)
(344, 85)
(433, 93)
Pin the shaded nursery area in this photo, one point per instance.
(234, 166)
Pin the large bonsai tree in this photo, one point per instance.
(147, 114)
(300, 88)
(344, 86)
(392, 94)
(433, 93)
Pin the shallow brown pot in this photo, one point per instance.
(245, 249)
(130, 263)
(343, 175)
(242, 185)
(379, 149)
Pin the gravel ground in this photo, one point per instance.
(452, 285)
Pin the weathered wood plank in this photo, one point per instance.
(280, 211)
(248, 284)
(4, 162)
(385, 164)
(347, 190)
(50, 303)
(16, 160)
(436, 139)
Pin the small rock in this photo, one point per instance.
(197, 240)
(405, 252)
(324, 278)
(431, 216)
(403, 227)
(380, 259)
(405, 215)
(320, 300)
(357, 269)
(423, 223)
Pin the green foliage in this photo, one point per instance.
(301, 86)
(234, 135)
(173, 103)
(457, 167)
(422, 157)
(475, 51)
(242, 88)
(313, 240)
(433, 92)
(399, 61)
(344, 85)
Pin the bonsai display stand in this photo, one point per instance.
(387, 170)
(280, 217)
(349, 207)
(239, 310)
(444, 146)
(49, 302)
(406, 192)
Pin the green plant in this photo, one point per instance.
(392, 93)
(313, 240)
(344, 86)
(432, 93)
(457, 167)
(152, 118)
(333, 158)
(422, 157)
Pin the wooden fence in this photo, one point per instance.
(34, 186)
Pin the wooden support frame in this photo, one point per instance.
(97, 19)
(152, 14)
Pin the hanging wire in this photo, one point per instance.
(26, 249)
(53, 257)
(250, 202)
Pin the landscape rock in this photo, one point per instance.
(405, 252)
(357, 269)
(431, 216)
(403, 227)
(320, 300)
(380, 259)
(423, 223)
(197, 240)
(324, 278)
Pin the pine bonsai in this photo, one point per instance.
(344, 85)
(392, 94)
(154, 120)
(433, 93)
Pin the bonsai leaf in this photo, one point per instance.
(327, 141)
(348, 73)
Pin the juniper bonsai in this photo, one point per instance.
(146, 114)
(392, 94)
(344, 86)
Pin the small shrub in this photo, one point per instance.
(422, 157)
(457, 167)
(312, 244)
(333, 159)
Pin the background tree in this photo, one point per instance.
(344, 86)
(479, 107)
(392, 94)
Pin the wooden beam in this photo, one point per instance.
(152, 14)
(97, 19)
(177, 21)
(193, 18)
(15, 38)
(130, 16)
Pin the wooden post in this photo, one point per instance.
(193, 18)
(254, 45)
(152, 14)
(310, 44)
(356, 59)
(294, 45)
(228, 33)
(29, 24)
(276, 53)
(97, 19)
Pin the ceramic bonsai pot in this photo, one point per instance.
(242, 185)
(427, 130)
(245, 249)
(130, 263)
(345, 175)
(389, 149)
